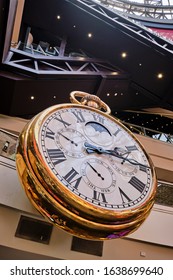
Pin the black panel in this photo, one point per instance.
(34, 230)
(87, 246)
(164, 195)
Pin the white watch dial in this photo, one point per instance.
(118, 176)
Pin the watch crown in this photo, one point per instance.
(91, 100)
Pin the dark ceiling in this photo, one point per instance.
(135, 87)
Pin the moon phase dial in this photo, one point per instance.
(98, 133)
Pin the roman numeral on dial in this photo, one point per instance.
(72, 178)
(56, 156)
(117, 131)
(124, 196)
(60, 119)
(99, 196)
(143, 168)
(50, 134)
(137, 184)
(79, 116)
(98, 118)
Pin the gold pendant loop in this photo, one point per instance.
(90, 100)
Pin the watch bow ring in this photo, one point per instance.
(89, 100)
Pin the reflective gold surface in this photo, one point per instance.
(62, 207)
(89, 100)
(45, 174)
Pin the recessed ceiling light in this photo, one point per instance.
(160, 75)
(108, 94)
(58, 17)
(140, 64)
(90, 35)
(32, 97)
(123, 54)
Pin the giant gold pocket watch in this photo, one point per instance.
(85, 171)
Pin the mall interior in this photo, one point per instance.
(119, 51)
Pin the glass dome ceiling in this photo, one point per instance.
(159, 2)
(157, 9)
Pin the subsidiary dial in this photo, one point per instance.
(70, 141)
(98, 175)
(122, 165)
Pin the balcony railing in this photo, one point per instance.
(155, 134)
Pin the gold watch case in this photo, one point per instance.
(56, 202)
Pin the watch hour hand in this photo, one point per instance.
(94, 149)
(99, 175)
(68, 139)
(99, 150)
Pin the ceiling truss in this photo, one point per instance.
(124, 23)
(34, 62)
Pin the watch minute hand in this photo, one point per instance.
(91, 149)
